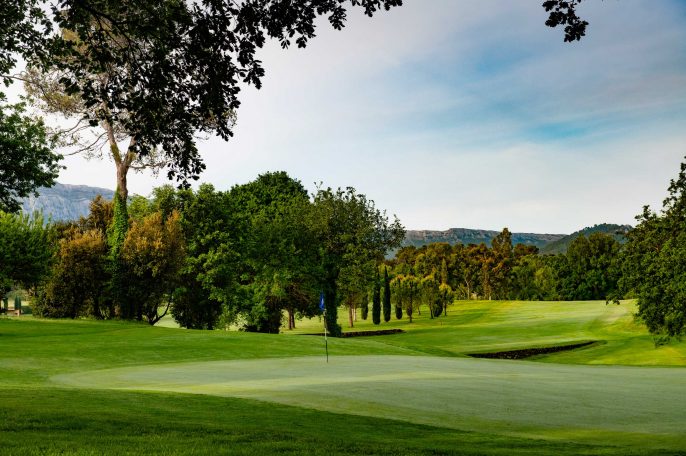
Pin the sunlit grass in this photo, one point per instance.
(196, 390)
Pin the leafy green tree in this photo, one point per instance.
(209, 277)
(278, 250)
(78, 278)
(386, 296)
(153, 254)
(445, 297)
(353, 287)
(654, 263)
(348, 229)
(24, 26)
(364, 305)
(429, 288)
(26, 249)
(376, 300)
(99, 216)
(503, 258)
(589, 269)
(406, 293)
(26, 157)
(135, 66)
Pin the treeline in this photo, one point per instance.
(244, 257)
(266, 249)
(589, 270)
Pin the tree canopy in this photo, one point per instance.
(26, 157)
(159, 73)
(654, 266)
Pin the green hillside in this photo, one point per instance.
(561, 245)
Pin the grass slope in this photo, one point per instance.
(491, 326)
(57, 380)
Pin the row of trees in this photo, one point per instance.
(265, 249)
(245, 257)
(589, 270)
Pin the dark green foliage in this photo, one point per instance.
(193, 308)
(26, 158)
(23, 29)
(278, 252)
(349, 231)
(398, 312)
(26, 248)
(77, 280)
(386, 296)
(503, 260)
(364, 306)
(534, 278)
(209, 275)
(376, 301)
(654, 266)
(17, 303)
(589, 270)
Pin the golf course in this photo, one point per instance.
(91, 387)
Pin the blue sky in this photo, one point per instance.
(469, 113)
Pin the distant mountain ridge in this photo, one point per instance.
(467, 236)
(64, 202)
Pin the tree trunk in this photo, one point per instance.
(350, 316)
(291, 319)
(122, 183)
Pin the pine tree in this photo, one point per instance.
(386, 296)
(364, 306)
(376, 301)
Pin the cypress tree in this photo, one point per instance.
(364, 306)
(376, 301)
(386, 296)
(398, 312)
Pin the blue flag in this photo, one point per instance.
(321, 301)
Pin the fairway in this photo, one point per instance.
(629, 406)
(107, 387)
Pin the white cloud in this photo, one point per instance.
(445, 112)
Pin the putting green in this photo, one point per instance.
(633, 406)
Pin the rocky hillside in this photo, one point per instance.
(64, 201)
(468, 236)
